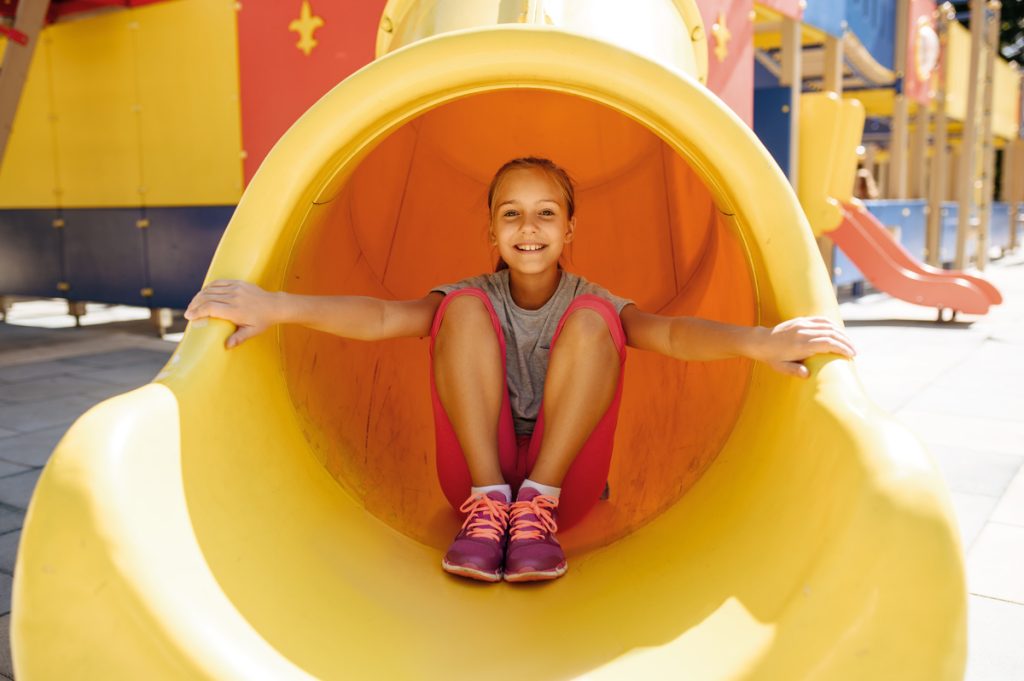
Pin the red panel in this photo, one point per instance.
(731, 69)
(278, 80)
(922, 47)
(788, 8)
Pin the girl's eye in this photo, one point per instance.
(510, 213)
(547, 211)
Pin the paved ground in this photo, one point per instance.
(960, 386)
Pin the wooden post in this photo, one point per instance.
(968, 222)
(940, 154)
(28, 21)
(833, 76)
(988, 163)
(6, 303)
(1011, 191)
(792, 75)
(162, 319)
(897, 184)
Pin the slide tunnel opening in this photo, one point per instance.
(413, 214)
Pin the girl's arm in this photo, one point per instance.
(252, 310)
(783, 347)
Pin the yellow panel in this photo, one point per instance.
(1006, 108)
(772, 40)
(958, 56)
(28, 176)
(95, 105)
(877, 102)
(188, 91)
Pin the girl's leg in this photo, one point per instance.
(472, 415)
(572, 442)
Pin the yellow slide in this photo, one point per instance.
(272, 512)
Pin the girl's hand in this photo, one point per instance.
(246, 305)
(785, 346)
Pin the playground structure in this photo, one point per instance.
(122, 198)
(272, 512)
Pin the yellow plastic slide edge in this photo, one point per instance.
(111, 560)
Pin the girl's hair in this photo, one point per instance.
(553, 170)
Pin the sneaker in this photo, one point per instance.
(533, 552)
(479, 548)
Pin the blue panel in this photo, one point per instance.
(909, 215)
(29, 253)
(181, 242)
(771, 123)
(999, 227)
(763, 77)
(103, 251)
(827, 15)
(844, 272)
(874, 24)
(947, 238)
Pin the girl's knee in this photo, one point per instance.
(465, 307)
(586, 323)
(591, 320)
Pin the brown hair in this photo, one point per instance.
(553, 170)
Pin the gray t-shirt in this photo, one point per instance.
(528, 335)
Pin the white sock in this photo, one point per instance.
(547, 490)
(504, 489)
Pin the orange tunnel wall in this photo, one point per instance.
(413, 215)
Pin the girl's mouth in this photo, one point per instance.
(529, 248)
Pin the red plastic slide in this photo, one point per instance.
(892, 269)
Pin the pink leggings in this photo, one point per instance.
(586, 478)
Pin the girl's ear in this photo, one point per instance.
(570, 231)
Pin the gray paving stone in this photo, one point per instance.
(7, 433)
(994, 650)
(6, 664)
(117, 358)
(49, 387)
(984, 401)
(9, 468)
(28, 417)
(130, 376)
(32, 370)
(974, 472)
(9, 550)
(16, 490)
(5, 593)
(10, 520)
(32, 449)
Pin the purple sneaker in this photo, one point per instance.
(479, 548)
(533, 552)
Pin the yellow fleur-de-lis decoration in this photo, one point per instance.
(304, 26)
(722, 35)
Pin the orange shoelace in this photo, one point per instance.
(487, 518)
(541, 507)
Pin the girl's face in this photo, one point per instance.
(530, 224)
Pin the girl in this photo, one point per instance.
(527, 370)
